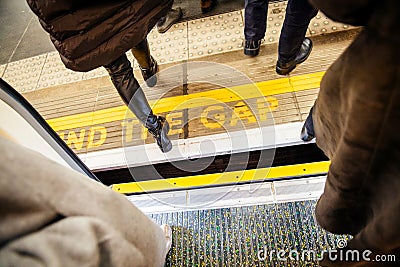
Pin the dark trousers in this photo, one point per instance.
(298, 16)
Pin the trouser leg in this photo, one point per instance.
(142, 54)
(255, 19)
(309, 122)
(121, 74)
(298, 16)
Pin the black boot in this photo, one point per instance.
(159, 129)
(121, 74)
(147, 63)
(251, 48)
(149, 74)
(307, 132)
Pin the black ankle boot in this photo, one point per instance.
(159, 129)
(149, 75)
(251, 48)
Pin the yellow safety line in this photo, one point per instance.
(241, 92)
(223, 178)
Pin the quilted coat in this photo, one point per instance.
(90, 34)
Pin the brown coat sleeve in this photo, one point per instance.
(56, 217)
(356, 121)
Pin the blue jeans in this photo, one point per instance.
(298, 16)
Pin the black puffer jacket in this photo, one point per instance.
(90, 34)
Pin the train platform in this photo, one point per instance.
(199, 58)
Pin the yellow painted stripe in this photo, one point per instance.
(223, 178)
(266, 88)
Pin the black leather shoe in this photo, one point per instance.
(284, 68)
(306, 135)
(165, 23)
(307, 132)
(160, 130)
(251, 48)
(149, 75)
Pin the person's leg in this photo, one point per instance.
(298, 15)
(147, 64)
(121, 73)
(294, 48)
(142, 54)
(255, 24)
(255, 19)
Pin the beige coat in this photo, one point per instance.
(53, 216)
(357, 122)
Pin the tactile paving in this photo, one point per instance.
(276, 15)
(55, 73)
(215, 34)
(320, 24)
(170, 46)
(24, 74)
